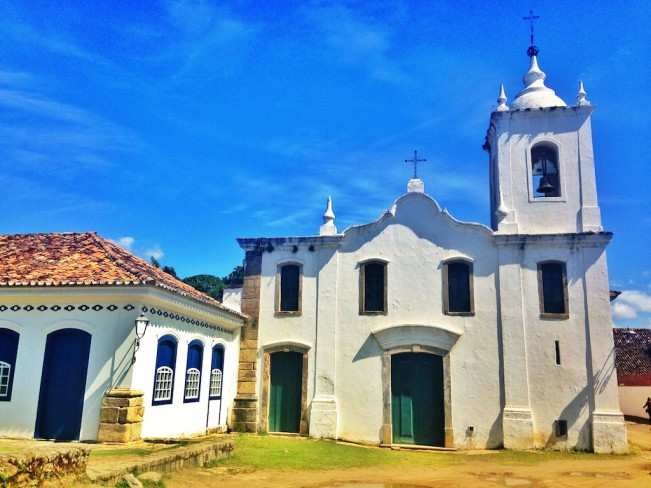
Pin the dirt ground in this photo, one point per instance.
(463, 470)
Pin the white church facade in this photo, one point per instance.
(97, 344)
(421, 329)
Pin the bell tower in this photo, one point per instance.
(542, 174)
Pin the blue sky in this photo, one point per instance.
(176, 126)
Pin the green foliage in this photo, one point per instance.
(288, 453)
(208, 284)
(154, 262)
(235, 277)
(170, 270)
(152, 484)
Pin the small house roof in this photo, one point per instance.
(633, 356)
(83, 259)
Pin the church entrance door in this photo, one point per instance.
(63, 384)
(285, 394)
(417, 408)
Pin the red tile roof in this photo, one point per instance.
(82, 259)
(633, 356)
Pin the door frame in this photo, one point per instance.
(387, 427)
(267, 351)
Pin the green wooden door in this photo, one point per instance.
(285, 395)
(417, 399)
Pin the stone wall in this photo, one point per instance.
(245, 407)
(35, 468)
(121, 416)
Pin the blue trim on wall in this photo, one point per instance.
(8, 351)
(165, 356)
(195, 359)
(217, 362)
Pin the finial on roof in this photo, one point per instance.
(328, 228)
(535, 94)
(501, 100)
(581, 99)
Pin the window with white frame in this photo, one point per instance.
(164, 372)
(193, 371)
(216, 372)
(5, 370)
(192, 378)
(163, 384)
(216, 383)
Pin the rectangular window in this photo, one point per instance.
(289, 288)
(192, 379)
(457, 288)
(5, 369)
(558, 352)
(552, 285)
(561, 428)
(163, 384)
(373, 287)
(216, 383)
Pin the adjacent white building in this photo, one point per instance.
(421, 329)
(71, 364)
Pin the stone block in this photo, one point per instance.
(246, 387)
(118, 433)
(109, 415)
(248, 355)
(245, 414)
(130, 415)
(109, 401)
(246, 375)
(249, 344)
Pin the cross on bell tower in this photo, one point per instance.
(415, 160)
(532, 50)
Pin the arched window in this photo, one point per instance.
(288, 291)
(216, 372)
(552, 290)
(193, 371)
(164, 374)
(8, 350)
(545, 171)
(373, 287)
(457, 288)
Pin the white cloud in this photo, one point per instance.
(126, 242)
(638, 300)
(622, 311)
(356, 41)
(154, 252)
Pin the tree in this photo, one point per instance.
(212, 286)
(170, 270)
(154, 262)
(235, 277)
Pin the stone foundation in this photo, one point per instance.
(121, 416)
(609, 433)
(517, 424)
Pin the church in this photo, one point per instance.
(414, 329)
(420, 329)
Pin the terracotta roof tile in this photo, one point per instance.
(82, 259)
(633, 356)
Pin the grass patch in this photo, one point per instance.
(134, 451)
(291, 453)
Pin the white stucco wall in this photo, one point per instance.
(632, 400)
(180, 418)
(111, 349)
(505, 354)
